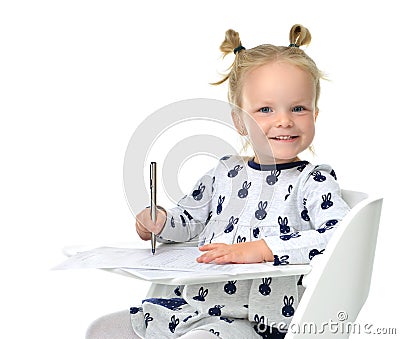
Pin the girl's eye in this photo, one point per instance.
(265, 110)
(298, 109)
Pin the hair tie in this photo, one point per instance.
(238, 49)
(294, 45)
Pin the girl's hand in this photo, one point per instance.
(241, 253)
(145, 226)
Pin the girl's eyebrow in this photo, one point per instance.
(263, 102)
(302, 99)
(307, 103)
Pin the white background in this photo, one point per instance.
(77, 78)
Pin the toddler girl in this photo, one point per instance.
(272, 207)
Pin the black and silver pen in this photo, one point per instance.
(153, 202)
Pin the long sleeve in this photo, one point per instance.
(320, 214)
(188, 219)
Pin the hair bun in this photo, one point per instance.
(299, 35)
(232, 41)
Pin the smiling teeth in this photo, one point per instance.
(284, 137)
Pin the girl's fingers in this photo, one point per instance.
(210, 247)
(214, 251)
(219, 253)
(223, 259)
(207, 247)
(205, 258)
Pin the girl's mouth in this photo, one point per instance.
(284, 137)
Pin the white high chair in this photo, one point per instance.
(338, 284)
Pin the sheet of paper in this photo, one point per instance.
(104, 257)
(167, 258)
(172, 264)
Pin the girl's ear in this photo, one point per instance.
(237, 121)
(316, 114)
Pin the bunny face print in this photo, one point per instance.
(279, 111)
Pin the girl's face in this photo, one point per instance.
(279, 112)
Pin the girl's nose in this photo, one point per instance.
(283, 119)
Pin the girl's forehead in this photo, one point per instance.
(277, 69)
(278, 78)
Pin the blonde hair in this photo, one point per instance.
(248, 59)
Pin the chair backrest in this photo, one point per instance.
(338, 285)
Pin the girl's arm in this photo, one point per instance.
(325, 209)
(188, 219)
